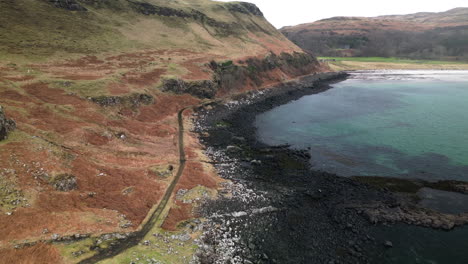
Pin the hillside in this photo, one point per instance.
(54, 27)
(417, 36)
(90, 93)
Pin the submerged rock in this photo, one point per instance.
(6, 125)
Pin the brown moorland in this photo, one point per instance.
(96, 133)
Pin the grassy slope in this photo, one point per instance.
(35, 31)
(115, 27)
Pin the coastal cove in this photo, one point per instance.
(277, 209)
(200, 132)
(406, 124)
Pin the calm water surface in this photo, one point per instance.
(418, 245)
(411, 124)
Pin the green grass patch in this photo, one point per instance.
(76, 250)
(16, 136)
(160, 247)
(391, 60)
(91, 88)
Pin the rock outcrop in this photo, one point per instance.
(6, 125)
(222, 28)
(414, 216)
(200, 89)
(245, 8)
(71, 5)
(134, 100)
(231, 77)
(64, 183)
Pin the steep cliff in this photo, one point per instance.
(441, 35)
(94, 87)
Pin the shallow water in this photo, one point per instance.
(418, 245)
(442, 201)
(410, 124)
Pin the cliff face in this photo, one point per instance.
(94, 87)
(420, 36)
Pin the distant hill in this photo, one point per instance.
(426, 35)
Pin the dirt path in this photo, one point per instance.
(139, 235)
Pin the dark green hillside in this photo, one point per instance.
(440, 36)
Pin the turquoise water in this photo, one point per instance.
(411, 124)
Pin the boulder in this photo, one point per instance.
(6, 125)
(64, 182)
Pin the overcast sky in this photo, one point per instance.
(292, 12)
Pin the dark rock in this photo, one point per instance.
(64, 182)
(6, 125)
(231, 77)
(388, 244)
(71, 5)
(201, 89)
(256, 162)
(220, 27)
(134, 100)
(245, 8)
(149, 9)
(233, 149)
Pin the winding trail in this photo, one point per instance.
(155, 216)
(137, 236)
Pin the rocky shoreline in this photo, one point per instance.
(274, 209)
